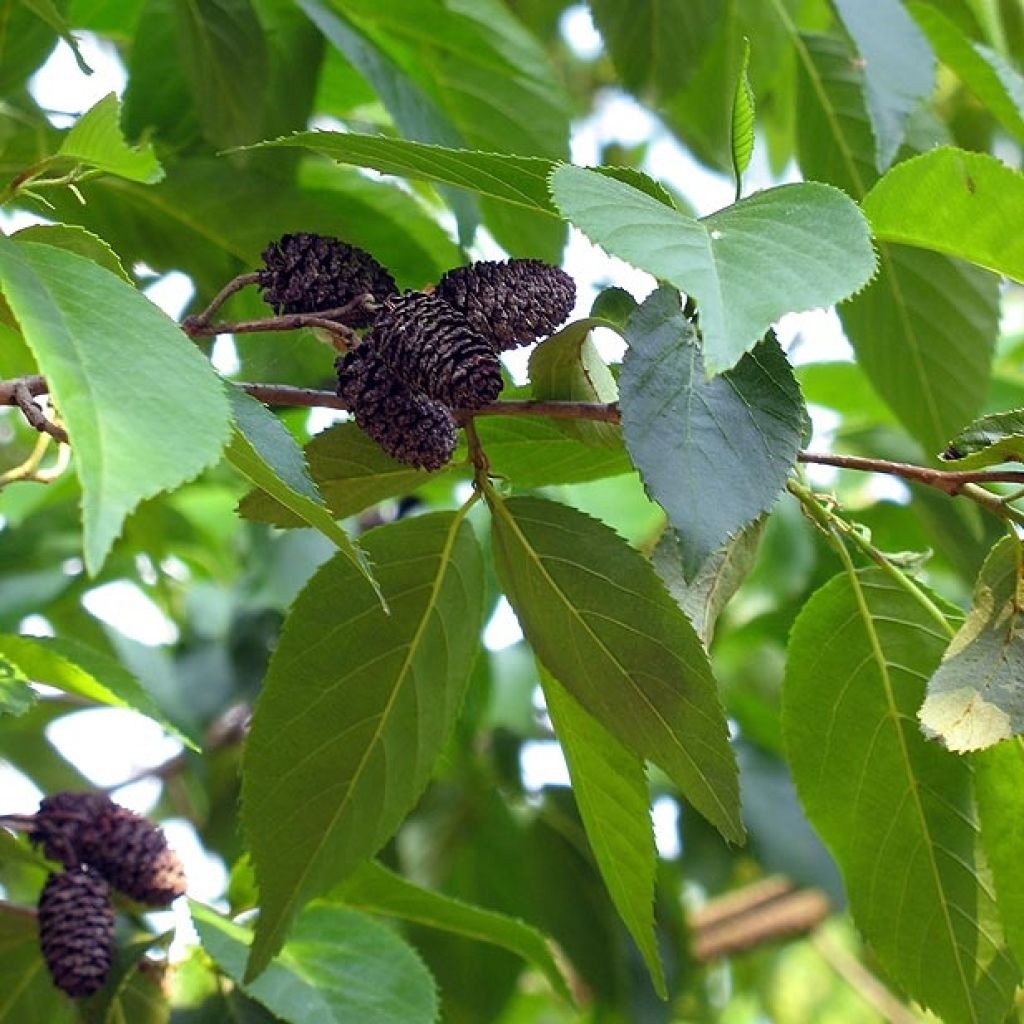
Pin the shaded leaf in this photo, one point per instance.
(355, 708)
(953, 202)
(264, 451)
(108, 1006)
(609, 784)
(988, 441)
(48, 12)
(783, 250)
(66, 306)
(895, 810)
(924, 330)
(16, 696)
(713, 453)
(975, 699)
(339, 966)
(899, 68)
(375, 889)
(601, 622)
(96, 139)
(73, 667)
(568, 368)
(999, 792)
(27, 995)
(742, 121)
(719, 576)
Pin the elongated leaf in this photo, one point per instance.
(713, 453)
(355, 708)
(520, 180)
(340, 966)
(718, 578)
(656, 44)
(899, 68)
(48, 12)
(999, 792)
(989, 441)
(96, 139)
(27, 995)
(924, 331)
(976, 698)
(375, 889)
(264, 451)
(568, 368)
(783, 250)
(74, 668)
(742, 121)
(986, 74)
(352, 472)
(97, 341)
(954, 202)
(895, 810)
(610, 787)
(601, 623)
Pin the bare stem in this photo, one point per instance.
(22, 398)
(191, 323)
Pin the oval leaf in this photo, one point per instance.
(895, 810)
(602, 624)
(784, 250)
(976, 698)
(97, 340)
(355, 708)
(713, 453)
(339, 966)
(954, 202)
(988, 441)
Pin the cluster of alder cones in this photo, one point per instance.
(426, 353)
(102, 846)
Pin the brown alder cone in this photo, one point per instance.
(512, 303)
(124, 848)
(76, 931)
(409, 426)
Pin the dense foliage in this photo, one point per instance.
(816, 680)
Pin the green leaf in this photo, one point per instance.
(355, 708)
(223, 53)
(47, 11)
(742, 121)
(715, 582)
(75, 668)
(994, 82)
(610, 787)
(27, 995)
(264, 451)
(66, 306)
(568, 368)
(975, 698)
(519, 180)
(75, 239)
(924, 331)
(16, 696)
(339, 966)
(895, 810)
(899, 68)
(602, 624)
(953, 202)
(783, 250)
(375, 889)
(656, 44)
(96, 139)
(988, 441)
(999, 792)
(713, 453)
(108, 1005)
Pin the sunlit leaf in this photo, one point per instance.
(96, 139)
(742, 121)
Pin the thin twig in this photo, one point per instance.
(35, 416)
(236, 284)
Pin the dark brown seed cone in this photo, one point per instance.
(76, 931)
(433, 348)
(513, 303)
(307, 273)
(409, 426)
(126, 849)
